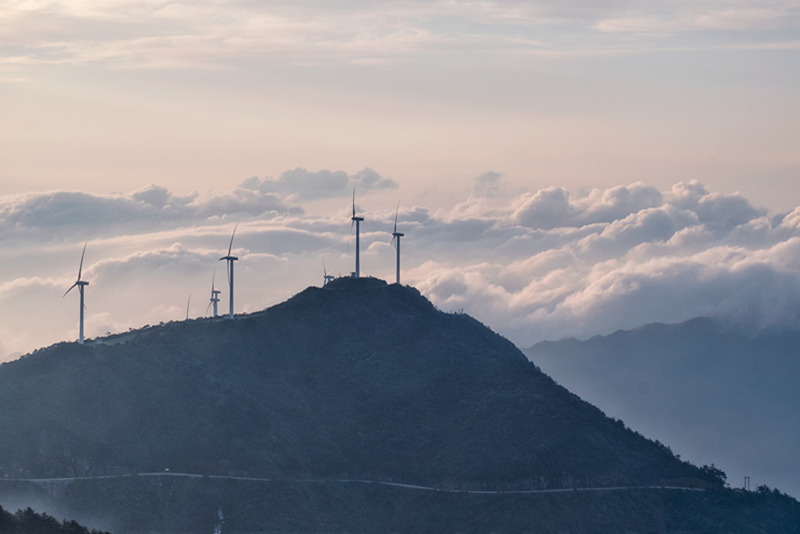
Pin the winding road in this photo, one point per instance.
(67, 480)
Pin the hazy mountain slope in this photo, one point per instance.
(713, 392)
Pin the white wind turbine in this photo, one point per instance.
(81, 284)
(326, 278)
(214, 296)
(230, 260)
(396, 241)
(357, 221)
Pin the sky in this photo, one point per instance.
(562, 169)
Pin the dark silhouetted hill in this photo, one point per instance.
(357, 381)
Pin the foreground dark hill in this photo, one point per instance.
(317, 403)
(713, 391)
(357, 380)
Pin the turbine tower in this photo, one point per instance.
(230, 259)
(81, 284)
(214, 296)
(396, 238)
(357, 221)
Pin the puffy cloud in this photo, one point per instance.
(553, 207)
(547, 208)
(621, 257)
(549, 264)
(62, 213)
(154, 195)
(488, 184)
(717, 212)
(301, 185)
(618, 202)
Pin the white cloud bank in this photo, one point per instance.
(542, 265)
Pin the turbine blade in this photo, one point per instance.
(233, 234)
(354, 201)
(213, 274)
(394, 238)
(187, 306)
(80, 267)
(324, 270)
(395, 216)
(208, 308)
(70, 289)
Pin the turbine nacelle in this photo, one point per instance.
(80, 283)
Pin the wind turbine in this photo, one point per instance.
(230, 260)
(81, 284)
(187, 306)
(357, 221)
(214, 296)
(326, 278)
(396, 238)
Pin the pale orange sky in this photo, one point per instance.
(103, 97)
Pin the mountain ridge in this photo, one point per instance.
(402, 376)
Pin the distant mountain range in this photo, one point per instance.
(354, 407)
(715, 392)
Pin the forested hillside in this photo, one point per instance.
(335, 407)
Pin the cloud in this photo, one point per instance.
(301, 185)
(552, 207)
(549, 264)
(61, 213)
(213, 35)
(621, 257)
(699, 16)
(488, 184)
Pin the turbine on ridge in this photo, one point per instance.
(214, 296)
(230, 259)
(80, 284)
(357, 221)
(326, 278)
(396, 239)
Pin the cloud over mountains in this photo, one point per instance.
(541, 265)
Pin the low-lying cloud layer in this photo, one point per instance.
(542, 265)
